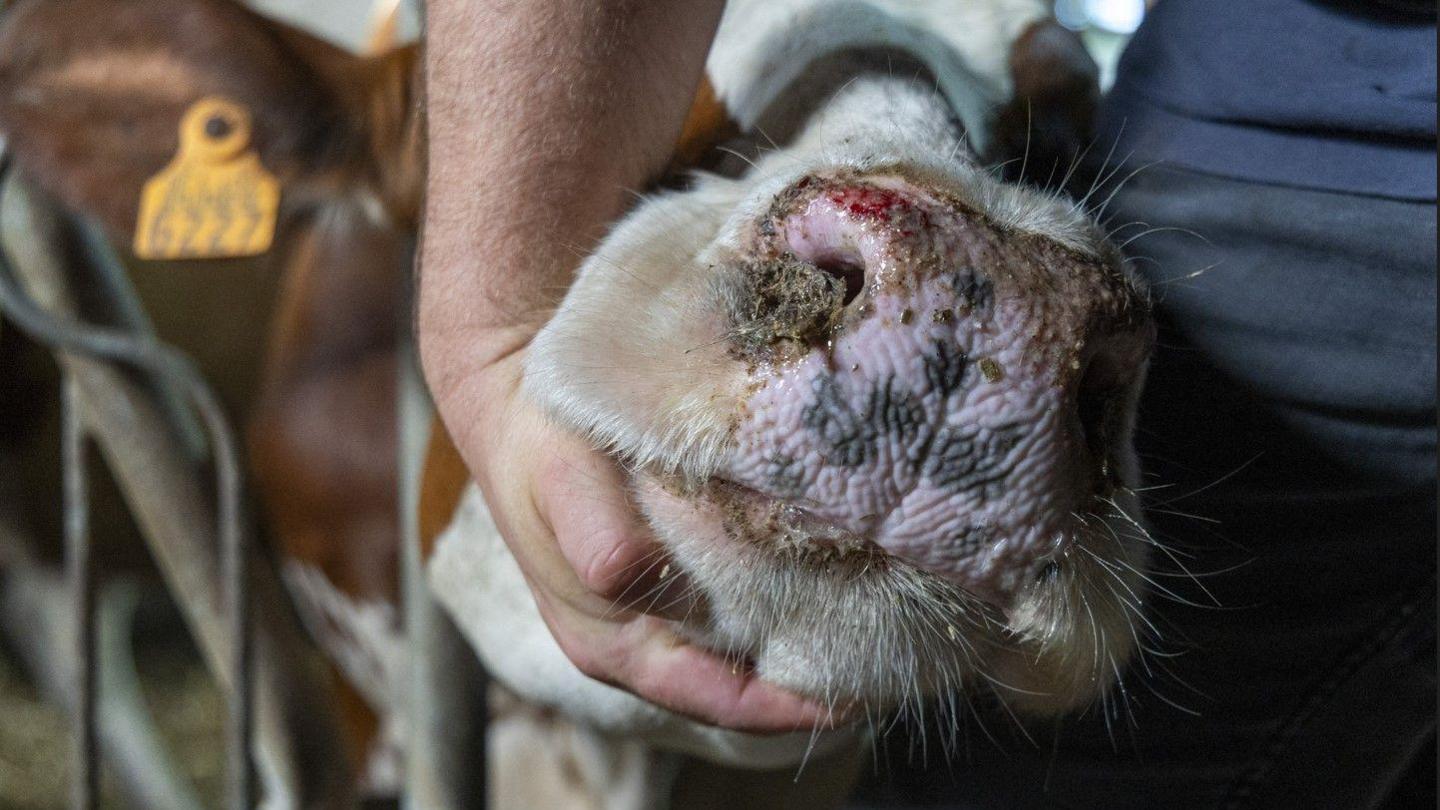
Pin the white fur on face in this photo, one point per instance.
(641, 358)
(764, 46)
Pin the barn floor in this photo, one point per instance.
(35, 741)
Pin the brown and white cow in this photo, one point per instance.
(301, 342)
(876, 402)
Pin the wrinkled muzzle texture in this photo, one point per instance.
(921, 383)
(885, 437)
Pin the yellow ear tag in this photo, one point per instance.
(214, 199)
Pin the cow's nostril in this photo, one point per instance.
(849, 271)
(842, 244)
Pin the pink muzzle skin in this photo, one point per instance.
(939, 416)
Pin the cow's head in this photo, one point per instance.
(878, 405)
(92, 94)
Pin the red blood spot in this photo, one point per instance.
(873, 203)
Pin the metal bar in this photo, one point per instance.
(296, 725)
(130, 741)
(157, 358)
(445, 760)
(81, 584)
(422, 789)
(236, 570)
(445, 766)
(37, 613)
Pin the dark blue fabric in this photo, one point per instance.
(1333, 95)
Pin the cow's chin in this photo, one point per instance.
(831, 616)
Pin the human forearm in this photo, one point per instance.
(541, 116)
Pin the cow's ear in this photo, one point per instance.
(92, 93)
(1045, 128)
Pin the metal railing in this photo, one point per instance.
(277, 707)
(71, 336)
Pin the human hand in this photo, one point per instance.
(601, 582)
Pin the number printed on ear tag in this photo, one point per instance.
(214, 199)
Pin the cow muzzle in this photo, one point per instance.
(922, 384)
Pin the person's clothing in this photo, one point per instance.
(1284, 218)
(1324, 94)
